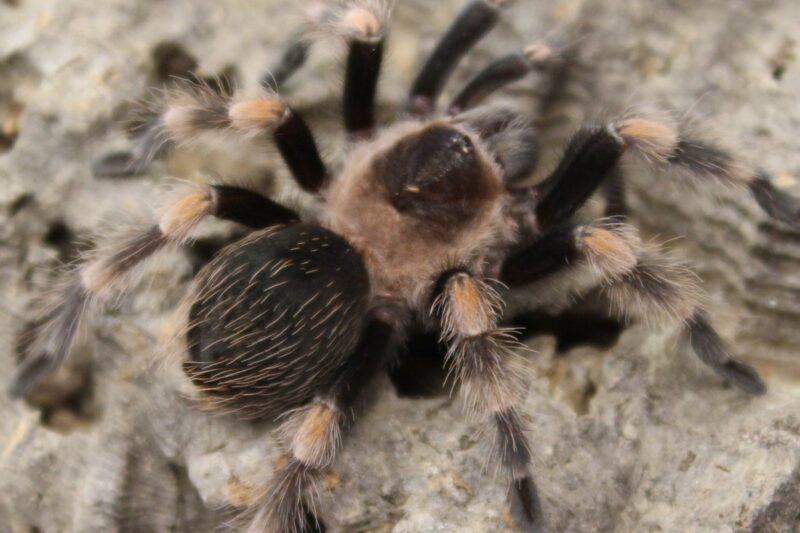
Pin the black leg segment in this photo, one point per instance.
(474, 22)
(361, 82)
(502, 72)
(249, 208)
(299, 150)
(555, 250)
(293, 58)
(590, 156)
(709, 348)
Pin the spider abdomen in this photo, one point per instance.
(274, 319)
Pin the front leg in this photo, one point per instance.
(481, 357)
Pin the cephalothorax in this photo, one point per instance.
(412, 234)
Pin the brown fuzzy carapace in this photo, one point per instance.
(404, 249)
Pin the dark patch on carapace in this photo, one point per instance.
(437, 176)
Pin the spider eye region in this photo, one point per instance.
(437, 175)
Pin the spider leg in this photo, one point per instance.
(638, 279)
(498, 74)
(150, 144)
(293, 58)
(590, 157)
(592, 160)
(363, 69)
(316, 434)
(481, 357)
(361, 24)
(109, 268)
(471, 25)
(613, 193)
(197, 111)
(698, 162)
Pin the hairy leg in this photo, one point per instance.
(480, 357)
(197, 114)
(640, 280)
(107, 269)
(472, 24)
(498, 74)
(315, 434)
(594, 157)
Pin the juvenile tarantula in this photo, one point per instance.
(413, 233)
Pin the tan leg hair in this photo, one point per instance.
(194, 109)
(314, 433)
(482, 359)
(317, 434)
(657, 290)
(682, 153)
(640, 279)
(642, 282)
(356, 20)
(105, 270)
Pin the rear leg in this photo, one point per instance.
(315, 436)
(639, 280)
(472, 24)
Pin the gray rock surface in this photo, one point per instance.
(639, 438)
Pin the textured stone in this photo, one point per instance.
(640, 438)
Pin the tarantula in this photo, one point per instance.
(425, 227)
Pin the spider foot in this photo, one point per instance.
(526, 509)
(120, 164)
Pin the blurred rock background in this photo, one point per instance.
(636, 438)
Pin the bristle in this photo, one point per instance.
(655, 291)
(179, 121)
(362, 23)
(184, 215)
(656, 141)
(612, 253)
(257, 116)
(285, 508)
(316, 439)
(538, 53)
(778, 204)
(708, 347)
(512, 445)
(699, 158)
(53, 340)
(354, 20)
(481, 366)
